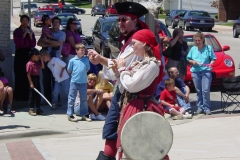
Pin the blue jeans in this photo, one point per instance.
(181, 100)
(202, 82)
(57, 88)
(82, 88)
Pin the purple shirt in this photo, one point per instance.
(33, 68)
(4, 81)
(45, 30)
(23, 42)
(76, 37)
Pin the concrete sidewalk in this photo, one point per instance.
(54, 137)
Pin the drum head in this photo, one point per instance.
(146, 135)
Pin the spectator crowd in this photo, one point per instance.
(89, 91)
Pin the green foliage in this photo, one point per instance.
(162, 16)
(216, 16)
(161, 10)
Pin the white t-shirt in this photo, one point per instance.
(56, 65)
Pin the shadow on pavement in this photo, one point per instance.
(13, 127)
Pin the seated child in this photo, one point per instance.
(58, 69)
(168, 100)
(6, 93)
(107, 88)
(33, 70)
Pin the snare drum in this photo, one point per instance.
(146, 136)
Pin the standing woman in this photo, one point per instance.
(72, 37)
(141, 80)
(179, 51)
(24, 40)
(202, 58)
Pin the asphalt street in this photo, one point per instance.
(53, 137)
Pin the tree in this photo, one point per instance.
(153, 6)
(214, 4)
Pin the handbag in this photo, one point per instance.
(66, 48)
(167, 53)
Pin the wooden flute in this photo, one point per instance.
(123, 58)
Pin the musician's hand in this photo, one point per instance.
(94, 57)
(115, 67)
(121, 63)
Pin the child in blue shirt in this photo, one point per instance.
(78, 67)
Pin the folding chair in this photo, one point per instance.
(230, 90)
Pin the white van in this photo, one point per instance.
(24, 7)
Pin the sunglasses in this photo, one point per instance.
(80, 49)
(124, 19)
(74, 23)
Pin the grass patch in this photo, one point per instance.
(227, 24)
(162, 16)
(81, 4)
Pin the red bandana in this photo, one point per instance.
(147, 36)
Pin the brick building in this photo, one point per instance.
(5, 17)
(228, 10)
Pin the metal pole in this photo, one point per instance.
(12, 7)
(29, 12)
(180, 4)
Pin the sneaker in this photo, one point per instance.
(32, 112)
(189, 111)
(188, 116)
(84, 118)
(72, 119)
(179, 117)
(1, 112)
(199, 111)
(40, 112)
(92, 116)
(208, 112)
(99, 117)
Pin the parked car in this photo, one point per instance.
(73, 9)
(51, 7)
(114, 34)
(173, 18)
(111, 10)
(64, 18)
(24, 9)
(98, 9)
(223, 66)
(196, 19)
(100, 34)
(37, 18)
(236, 28)
(87, 41)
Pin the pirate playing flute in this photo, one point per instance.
(129, 23)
